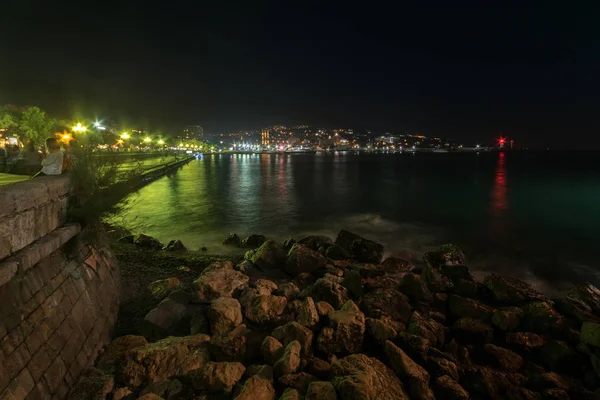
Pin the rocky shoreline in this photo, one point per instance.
(323, 319)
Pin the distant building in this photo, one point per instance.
(265, 137)
(193, 132)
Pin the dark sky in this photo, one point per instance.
(470, 73)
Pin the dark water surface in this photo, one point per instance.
(530, 215)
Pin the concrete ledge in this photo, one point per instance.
(36, 251)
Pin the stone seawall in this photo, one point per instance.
(59, 292)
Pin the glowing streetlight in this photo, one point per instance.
(120, 141)
(79, 128)
(147, 139)
(161, 142)
(125, 135)
(98, 125)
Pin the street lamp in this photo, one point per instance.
(161, 142)
(125, 135)
(147, 139)
(79, 128)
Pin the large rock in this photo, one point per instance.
(93, 384)
(294, 331)
(394, 265)
(430, 329)
(253, 241)
(590, 333)
(146, 241)
(163, 287)
(447, 389)
(346, 331)
(271, 350)
(446, 255)
(291, 394)
(336, 252)
(320, 390)
(503, 359)
(386, 303)
(225, 313)
(409, 371)
(231, 346)
(560, 357)
(289, 362)
(587, 293)
(114, 353)
(288, 290)
(465, 307)
(218, 280)
(438, 366)
(308, 314)
(265, 308)
(299, 381)
(416, 347)
(415, 288)
(315, 242)
(362, 249)
(256, 388)
(233, 240)
(511, 291)
(381, 330)
(270, 255)
(164, 320)
(524, 341)
(217, 377)
(472, 331)
(175, 245)
(540, 316)
(436, 281)
(166, 358)
(318, 367)
(331, 292)
(358, 377)
(303, 259)
(507, 319)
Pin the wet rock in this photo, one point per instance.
(588, 294)
(336, 252)
(218, 280)
(253, 241)
(256, 388)
(299, 381)
(441, 366)
(318, 367)
(265, 286)
(231, 346)
(303, 259)
(511, 291)
(353, 282)
(409, 371)
(363, 249)
(288, 290)
(426, 327)
(264, 371)
(320, 390)
(245, 267)
(314, 242)
(465, 307)
(394, 265)
(436, 282)
(146, 241)
(114, 353)
(346, 331)
(163, 287)
(161, 360)
(270, 255)
(386, 303)
(291, 394)
(294, 331)
(308, 314)
(445, 388)
(503, 359)
(324, 309)
(358, 377)
(164, 320)
(416, 347)
(289, 362)
(446, 255)
(472, 331)
(175, 245)
(331, 292)
(590, 333)
(217, 377)
(224, 314)
(271, 350)
(380, 330)
(507, 319)
(233, 240)
(265, 309)
(524, 341)
(540, 317)
(415, 288)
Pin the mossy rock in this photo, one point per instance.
(590, 333)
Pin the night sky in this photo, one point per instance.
(469, 73)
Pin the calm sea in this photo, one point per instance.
(531, 215)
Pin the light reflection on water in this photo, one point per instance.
(500, 207)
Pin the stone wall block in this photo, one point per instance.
(29, 194)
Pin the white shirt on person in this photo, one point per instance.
(52, 164)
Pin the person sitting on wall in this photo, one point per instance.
(31, 158)
(53, 160)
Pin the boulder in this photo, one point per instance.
(146, 241)
(245, 267)
(303, 259)
(199, 322)
(256, 388)
(590, 333)
(166, 358)
(288, 290)
(294, 331)
(308, 314)
(456, 271)
(362, 249)
(445, 388)
(409, 371)
(560, 357)
(264, 371)
(291, 394)
(524, 341)
(318, 367)
(265, 286)
(358, 377)
(289, 362)
(253, 241)
(217, 377)
(447, 254)
(320, 390)
(588, 294)
(271, 350)
(465, 307)
(175, 245)
(233, 240)
(331, 292)
(114, 353)
(218, 280)
(472, 331)
(430, 329)
(336, 252)
(270, 255)
(465, 287)
(540, 316)
(314, 242)
(549, 380)
(380, 330)
(416, 347)
(265, 309)
(502, 358)
(507, 319)
(511, 291)
(353, 282)
(231, 346)
(415, 288)
(299, 381)
(324, 309)
(225, 313)
(436, 282)
(164, 320)
(441, 366)
(394, 265)
(386, 303)
(163, 287)
(168, 389)
(346, 331)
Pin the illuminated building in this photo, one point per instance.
(193, 132)
(265, 137)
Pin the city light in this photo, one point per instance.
(147, 139)
(79, 128)
(120, 141)
(98, 125)
(161, 142)
(125, 135)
